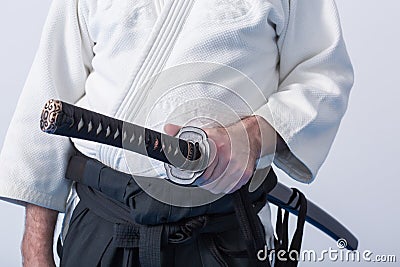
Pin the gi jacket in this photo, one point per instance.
(101, 54)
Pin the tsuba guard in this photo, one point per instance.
(185, 177)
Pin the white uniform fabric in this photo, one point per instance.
(99, 53)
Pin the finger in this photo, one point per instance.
(234, 178)
(226, 175)
(171, 129)
(239, 185)
(212, 153)
(223, 185)
(219, 169)
(205, 177)
(226, 182)
(246, 176)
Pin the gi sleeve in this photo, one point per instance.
(315, 80)
(32, 163)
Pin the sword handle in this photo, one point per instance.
(64, 119)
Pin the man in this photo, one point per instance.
(101, 54)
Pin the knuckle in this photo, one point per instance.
(247, 173)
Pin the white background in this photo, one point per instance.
(359, 183)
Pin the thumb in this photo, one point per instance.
(171, 129)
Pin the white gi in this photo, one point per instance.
(99, 53)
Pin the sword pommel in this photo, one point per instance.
(48, 121)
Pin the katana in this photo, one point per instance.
(185, 156)
(185, 160)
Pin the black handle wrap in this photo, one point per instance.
(64, 119)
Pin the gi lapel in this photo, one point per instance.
(159, 46)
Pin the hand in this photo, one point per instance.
(234, 152)
(37, 243)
